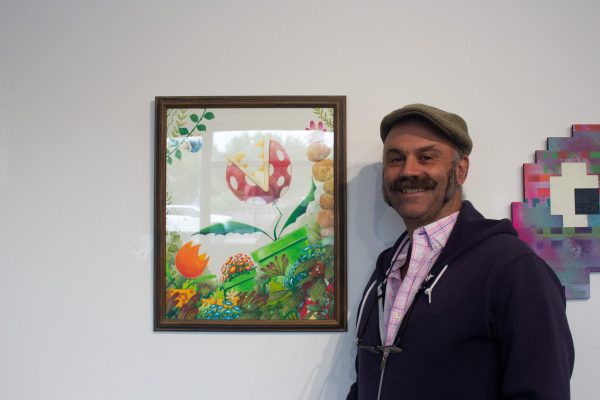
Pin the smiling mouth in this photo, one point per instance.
(411, 191)
(412, 185)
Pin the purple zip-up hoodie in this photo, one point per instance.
(492, 327)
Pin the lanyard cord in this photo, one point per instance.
(400, 243)
(426, 287)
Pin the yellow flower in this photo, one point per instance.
(233, 297)
(183, 296)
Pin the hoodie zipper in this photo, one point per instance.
(426, 290)
(385, 354)
(382, 373)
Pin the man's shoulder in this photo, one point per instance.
(506, 245)
(494, 236)
(506, 254)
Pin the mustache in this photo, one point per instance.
(413, 183)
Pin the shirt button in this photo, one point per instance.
(397, 315)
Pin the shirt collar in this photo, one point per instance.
(434, 236)
(436, 233)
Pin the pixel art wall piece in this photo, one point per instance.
(560, 215)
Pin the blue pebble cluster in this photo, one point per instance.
(226, 311)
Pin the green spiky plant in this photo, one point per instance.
(224, 228)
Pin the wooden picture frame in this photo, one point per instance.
(250, 213)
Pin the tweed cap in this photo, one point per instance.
(451, 125)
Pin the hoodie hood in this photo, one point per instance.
(462, 238)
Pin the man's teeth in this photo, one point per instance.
(408, 191)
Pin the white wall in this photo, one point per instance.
(77, 83)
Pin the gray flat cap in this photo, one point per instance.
(451, 125)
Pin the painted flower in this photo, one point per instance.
(181, 296)
(208, 302)
(194, 144)
(262, 182)
(314, 127)
(189, 262)
(233, 297)
(236, 265)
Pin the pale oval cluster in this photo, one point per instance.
(322, 171)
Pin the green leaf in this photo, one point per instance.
(229, 227)
(301, 208)
(169, 160)
(329, 270)
(219, 294)
(276, 267)
(194, 118)
(188, 284)
(317, 290)
(293, 303)
(293, 315)
(201, 127)
(277, 297)
(184, 131)
(305, 266)
(313, 307)
(178, 154)
(275, 287)
(168, 275)
(204, 278)
(209, 115)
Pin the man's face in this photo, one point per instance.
(421, 173)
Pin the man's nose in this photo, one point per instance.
(411, 167)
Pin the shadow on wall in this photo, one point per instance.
(372, 226)
(385, 222)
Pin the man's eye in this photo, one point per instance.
(395, 160)
(426, 157)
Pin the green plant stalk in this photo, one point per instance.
(300, 208)
(275, 237)
(239, 227)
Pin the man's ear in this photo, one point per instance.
(462, 170)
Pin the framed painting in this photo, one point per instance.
(250, 213)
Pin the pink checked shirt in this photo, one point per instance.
(427, 243)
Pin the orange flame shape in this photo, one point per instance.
(189, 262)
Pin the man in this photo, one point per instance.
(459, 308)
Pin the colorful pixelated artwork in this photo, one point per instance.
(250, 215)
(560, 215)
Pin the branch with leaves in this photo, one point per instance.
(183, 133)
(325, 115)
